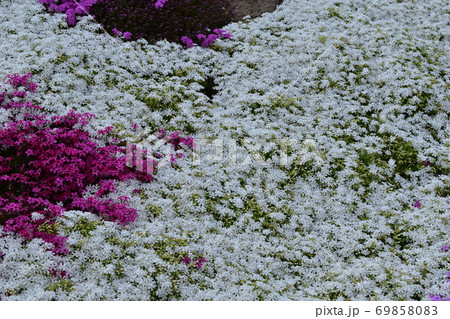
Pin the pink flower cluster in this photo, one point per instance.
(176, 139)
(126, 35)
(46, 166)
(58, 273)
(7, 100)
(207, 40)
(198, 262)
(71, 8)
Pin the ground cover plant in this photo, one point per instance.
(321, 170)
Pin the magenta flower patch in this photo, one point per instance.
(47, 164)
(21, 86)
(71, 8)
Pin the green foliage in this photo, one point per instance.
(49, 227)
(61, 58)
(64, 285)
(84, 226)
(168, 248)
(395, 148)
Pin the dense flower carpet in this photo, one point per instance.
(155, 150)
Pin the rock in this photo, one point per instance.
(253, 8)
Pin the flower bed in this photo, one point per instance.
(321, 171)
(178, 21)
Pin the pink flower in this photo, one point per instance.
(445, 248)
(127, 35)
(186, 40)
(160, 3)
(32, 87)
(19, 94)
(161, 133)
(203, 260)
(106, 130)
(209, 40)
(71, 20)
(117, 32)
(199, 262)
(106, 187)
(223, 34)
(186, 260)
(123, 199)
(417, 204)
(59, 273)
(173, 159)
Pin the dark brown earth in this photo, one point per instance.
(254, 8)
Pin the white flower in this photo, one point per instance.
(37, 216)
